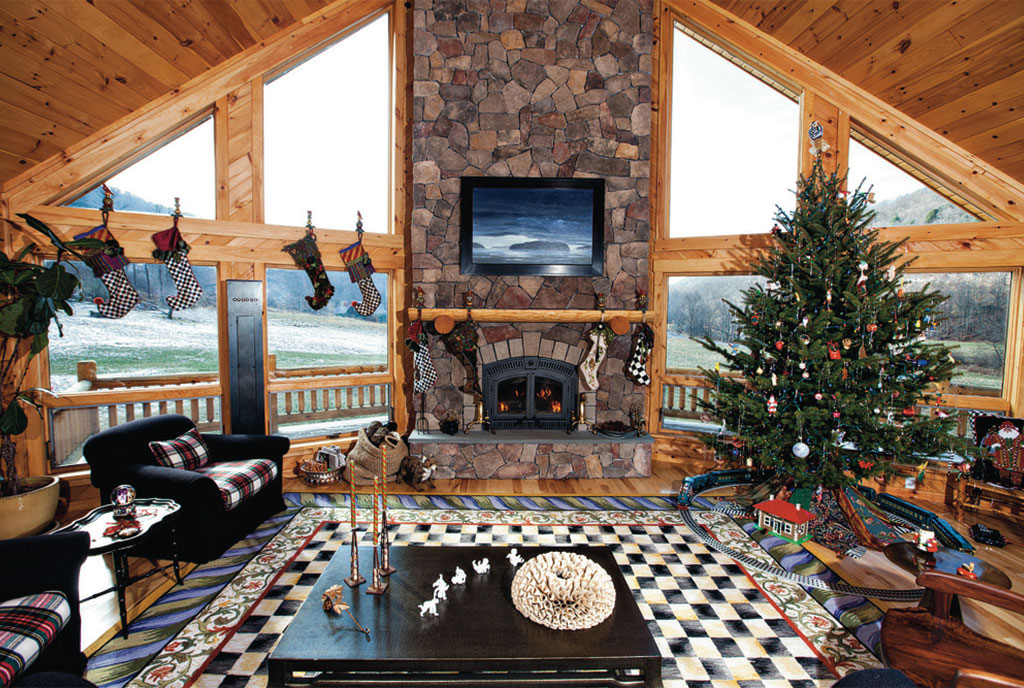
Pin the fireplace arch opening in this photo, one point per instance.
(529, 392)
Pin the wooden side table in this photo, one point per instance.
(151, 515)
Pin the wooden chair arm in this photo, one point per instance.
(946, 585)
(973, 678)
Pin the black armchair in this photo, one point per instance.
(48, 562)
(121, 455)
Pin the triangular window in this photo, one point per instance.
(326, 134)
(901, 197)
(734, 142)
(183, 167)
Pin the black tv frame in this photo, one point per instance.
(471, 267)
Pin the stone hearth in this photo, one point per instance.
(513, 454)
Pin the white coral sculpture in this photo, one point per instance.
(564, 591)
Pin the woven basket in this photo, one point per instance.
(364, 459)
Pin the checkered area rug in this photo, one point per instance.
(715, 625)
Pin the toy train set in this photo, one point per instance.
(921, 518)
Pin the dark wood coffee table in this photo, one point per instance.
(478, 637)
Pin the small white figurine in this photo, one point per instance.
(482, 566)
(440, 588)
(429, 607)
(460, 576)
(514, 558)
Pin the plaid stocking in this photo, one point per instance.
(636, 366)
(360, 268)
(173, 251)
(371, 298)
(108, 264)
(600, 337)
(306, 255)
(417, 342)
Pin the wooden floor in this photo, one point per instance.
(100, 617)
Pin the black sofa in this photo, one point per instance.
(121, 455)
(48, 562)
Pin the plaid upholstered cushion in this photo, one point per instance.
(187, 451)
(239, 480)
(27, 625)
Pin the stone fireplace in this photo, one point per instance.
(550, 88)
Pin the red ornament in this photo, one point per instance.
(772, 404)
(779, 344)
(872, 327)
(909, 411)
(833, 351)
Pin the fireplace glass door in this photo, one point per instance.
(547, 396)
(512, 397)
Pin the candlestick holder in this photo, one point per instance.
(482, 419)
(386, 569)
(354, 579)
(377, 584)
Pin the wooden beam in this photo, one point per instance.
(92, 159)
(835, 124)
(994, 192)
(514, 315)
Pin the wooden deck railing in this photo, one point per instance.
(318, 400)
(681, 392)
(74, 417)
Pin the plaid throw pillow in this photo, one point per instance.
(188, 451)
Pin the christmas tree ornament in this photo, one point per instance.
(306, 255)
(863, 352)
(872, 327)
(360, 271)
(801, 450)
(805, 321)
(775, 380)
(805, 375)
(636, 365)
(847, 343)
(108, 263)
(773, 405)
(862, 280)
(833, 351)
(779, 344)
(818, 396)
(425, 373)
(828, 299)
(600, 337)
(805, 340)
(760, 370)
(172, 249)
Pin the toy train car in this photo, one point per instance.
(944, 532)
(695, 484)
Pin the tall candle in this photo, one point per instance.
(352, 499)
(376, 490)
(384, 480)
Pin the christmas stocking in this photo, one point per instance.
(306, 255)
(600, 337)
(360, 269)
(426, 375)
(636, 366)
(108, 264)
(173, 251)
(461, 342)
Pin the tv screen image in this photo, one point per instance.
(534, 225)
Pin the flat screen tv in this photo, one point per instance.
(532, 226)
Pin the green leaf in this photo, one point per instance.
(24, 252)
(13, 421)
(10, 316)
(57, 283)
(39, 343)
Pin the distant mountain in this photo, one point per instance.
(921, 207)
(123, 200)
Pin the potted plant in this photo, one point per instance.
(30, 297)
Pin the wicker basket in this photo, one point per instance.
(364, 459)
(316, 473)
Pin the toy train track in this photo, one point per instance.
(807, 581)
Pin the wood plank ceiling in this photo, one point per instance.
(70, 67)
(956, 66)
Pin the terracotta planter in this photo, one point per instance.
(31, 511)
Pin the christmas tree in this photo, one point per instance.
(830, 360)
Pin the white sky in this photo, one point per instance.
(886, 180)
(326, 144)
(734, 146)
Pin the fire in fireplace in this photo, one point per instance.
(529, 392)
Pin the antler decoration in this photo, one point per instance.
(334, 601)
